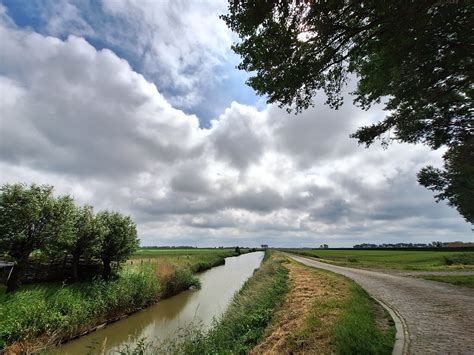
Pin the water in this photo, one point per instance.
(164, 319)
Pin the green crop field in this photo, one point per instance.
(393, 259)
(157, 252)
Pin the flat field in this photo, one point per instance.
(157, 252)
(423, 260)
(195, 259)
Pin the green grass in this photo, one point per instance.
(196, 260)
(460, 280)
(355, 330)
(55, 310)
(393, 259)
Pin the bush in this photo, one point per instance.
(181, 279)
(460, 259)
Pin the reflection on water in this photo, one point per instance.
(164, 319)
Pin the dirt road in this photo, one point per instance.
(437, 318)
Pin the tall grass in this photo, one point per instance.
(59, 311)
(179, 280)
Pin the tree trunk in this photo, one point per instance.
(107, 271)
(75, 266)
(16, 276)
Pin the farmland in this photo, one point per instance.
(423, 260)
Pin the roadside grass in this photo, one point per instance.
(459, 280)
(393, 259)
(325, 313)
(357, 329)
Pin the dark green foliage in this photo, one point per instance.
(119, 239)
(459, 259)
(417, 55)
(206, 265)
(88, 232)
(31, 219)
(456, 182)
(180, 280)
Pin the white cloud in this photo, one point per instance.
(180, 43)
(83, 120)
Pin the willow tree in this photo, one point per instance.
(118, 240)
(31, 218)
(86, 239)
(414, 55)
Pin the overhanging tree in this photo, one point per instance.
(416, 54)
(30, 217)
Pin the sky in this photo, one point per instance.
(137, 106)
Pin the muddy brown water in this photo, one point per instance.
(165, 319)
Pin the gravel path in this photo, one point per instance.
(438, 318)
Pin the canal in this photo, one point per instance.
(165, 319)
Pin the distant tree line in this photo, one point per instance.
(32, 219)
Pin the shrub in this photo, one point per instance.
(460, 259)
(181, 279)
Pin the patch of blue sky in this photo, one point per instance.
(216, 95)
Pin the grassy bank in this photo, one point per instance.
(393, 259)
(459, 280)
(43, 314)
(46, 313)
(325, 313)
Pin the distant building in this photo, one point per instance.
(323, 246)
(459, 244)
(264, 246)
